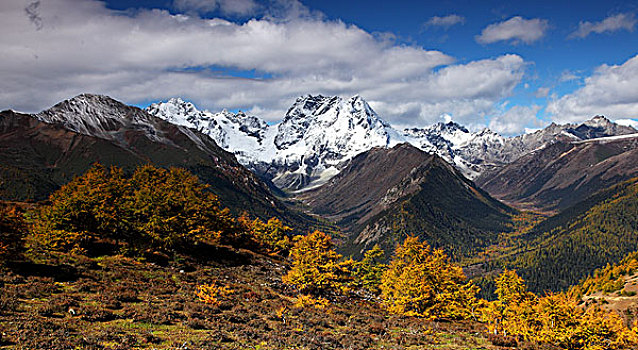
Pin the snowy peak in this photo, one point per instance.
(600, 126)
(450, 134)
(98, 115)
(235, 132)
(177, 111)
(312, 114)
(598, 121)
(319, 134)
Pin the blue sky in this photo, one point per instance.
(510, 66)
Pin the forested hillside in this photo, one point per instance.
(567, 247)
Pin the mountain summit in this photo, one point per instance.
(316, 137)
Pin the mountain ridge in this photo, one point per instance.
(563, 173)
(385, 194)
(41, 152)
(319, 134)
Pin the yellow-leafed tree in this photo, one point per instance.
(504, 316)
(272, 235)
(155, 208)
(423, 282)
(315, 265)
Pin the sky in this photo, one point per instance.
(511, 66)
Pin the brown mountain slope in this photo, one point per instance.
(562, 174)
(385, 194)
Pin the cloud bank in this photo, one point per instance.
(61, 48)
(610, 91)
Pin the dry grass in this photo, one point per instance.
(115, 302)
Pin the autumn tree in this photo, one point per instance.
(368, 272)
(12, 230)
(272, 236)
(91, 206)
(423, 282)
(502, 315)
(155, 208)
(556, 319)
(315, 265)
(174, 209)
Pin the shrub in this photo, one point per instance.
(211, 293)
(304, 301)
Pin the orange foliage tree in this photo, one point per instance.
(155, 208)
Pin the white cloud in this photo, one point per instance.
(516, 120)
(542, 92)
(445, 21)
(568, 76)
(151, 55)
(626, 21)
(517, 29)
(610, 91)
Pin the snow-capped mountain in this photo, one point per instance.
(235, 132)
(319, 135)
(466, 150)
(99, 116)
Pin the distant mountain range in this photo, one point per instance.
(563, 172)
(319, 135)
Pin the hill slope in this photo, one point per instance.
(564, 173)
(587, 236)
(385, 194)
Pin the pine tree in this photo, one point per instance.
(369, 270)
